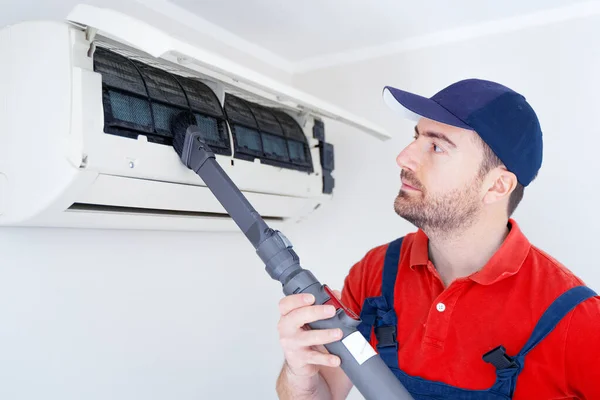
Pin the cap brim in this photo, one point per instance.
(414, 107)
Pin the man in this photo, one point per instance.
(465, 307)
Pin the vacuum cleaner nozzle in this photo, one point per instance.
(186, 136)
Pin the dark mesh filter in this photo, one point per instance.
(297, 144)
(247, 139)
(142, 99)
(238, 112)
(268, 134)
(162, 86)
(201, 97)
(275, 147)
(291, 128)
(163, 114)
(265, 119)
(128, 111)
(297, 151)
(118, 72)
(213, 131)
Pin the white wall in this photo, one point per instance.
(133, 315)
(88, 314)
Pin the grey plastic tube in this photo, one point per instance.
(363, 366)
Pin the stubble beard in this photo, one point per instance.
(441, 215)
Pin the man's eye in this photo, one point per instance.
(437, 149)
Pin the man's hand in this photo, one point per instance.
(303, 348)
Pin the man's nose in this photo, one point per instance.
(408, 158)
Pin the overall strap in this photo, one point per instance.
(386, 329)
(508, 368)
(390, 270)
(555, 313)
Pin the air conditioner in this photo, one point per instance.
(85, 137)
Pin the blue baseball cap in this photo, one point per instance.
(499, 115)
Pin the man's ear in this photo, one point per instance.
(499, 183)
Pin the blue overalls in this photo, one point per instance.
(378, 312)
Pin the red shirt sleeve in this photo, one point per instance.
(582, 351)
(352, 295)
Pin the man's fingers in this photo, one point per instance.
(318, 337)
(326, 359)
(296, 319)
(293, 301)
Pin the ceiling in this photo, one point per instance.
(306, 32)
(297, 30)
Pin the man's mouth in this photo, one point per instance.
(408, 186)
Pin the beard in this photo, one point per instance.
(442, 214)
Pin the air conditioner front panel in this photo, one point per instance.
(36, 77)
(114, 155)
(116, 191)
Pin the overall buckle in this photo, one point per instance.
(386, 336)
(498, 358)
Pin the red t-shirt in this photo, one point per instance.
(498, 305)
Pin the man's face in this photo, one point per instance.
(441, 184)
